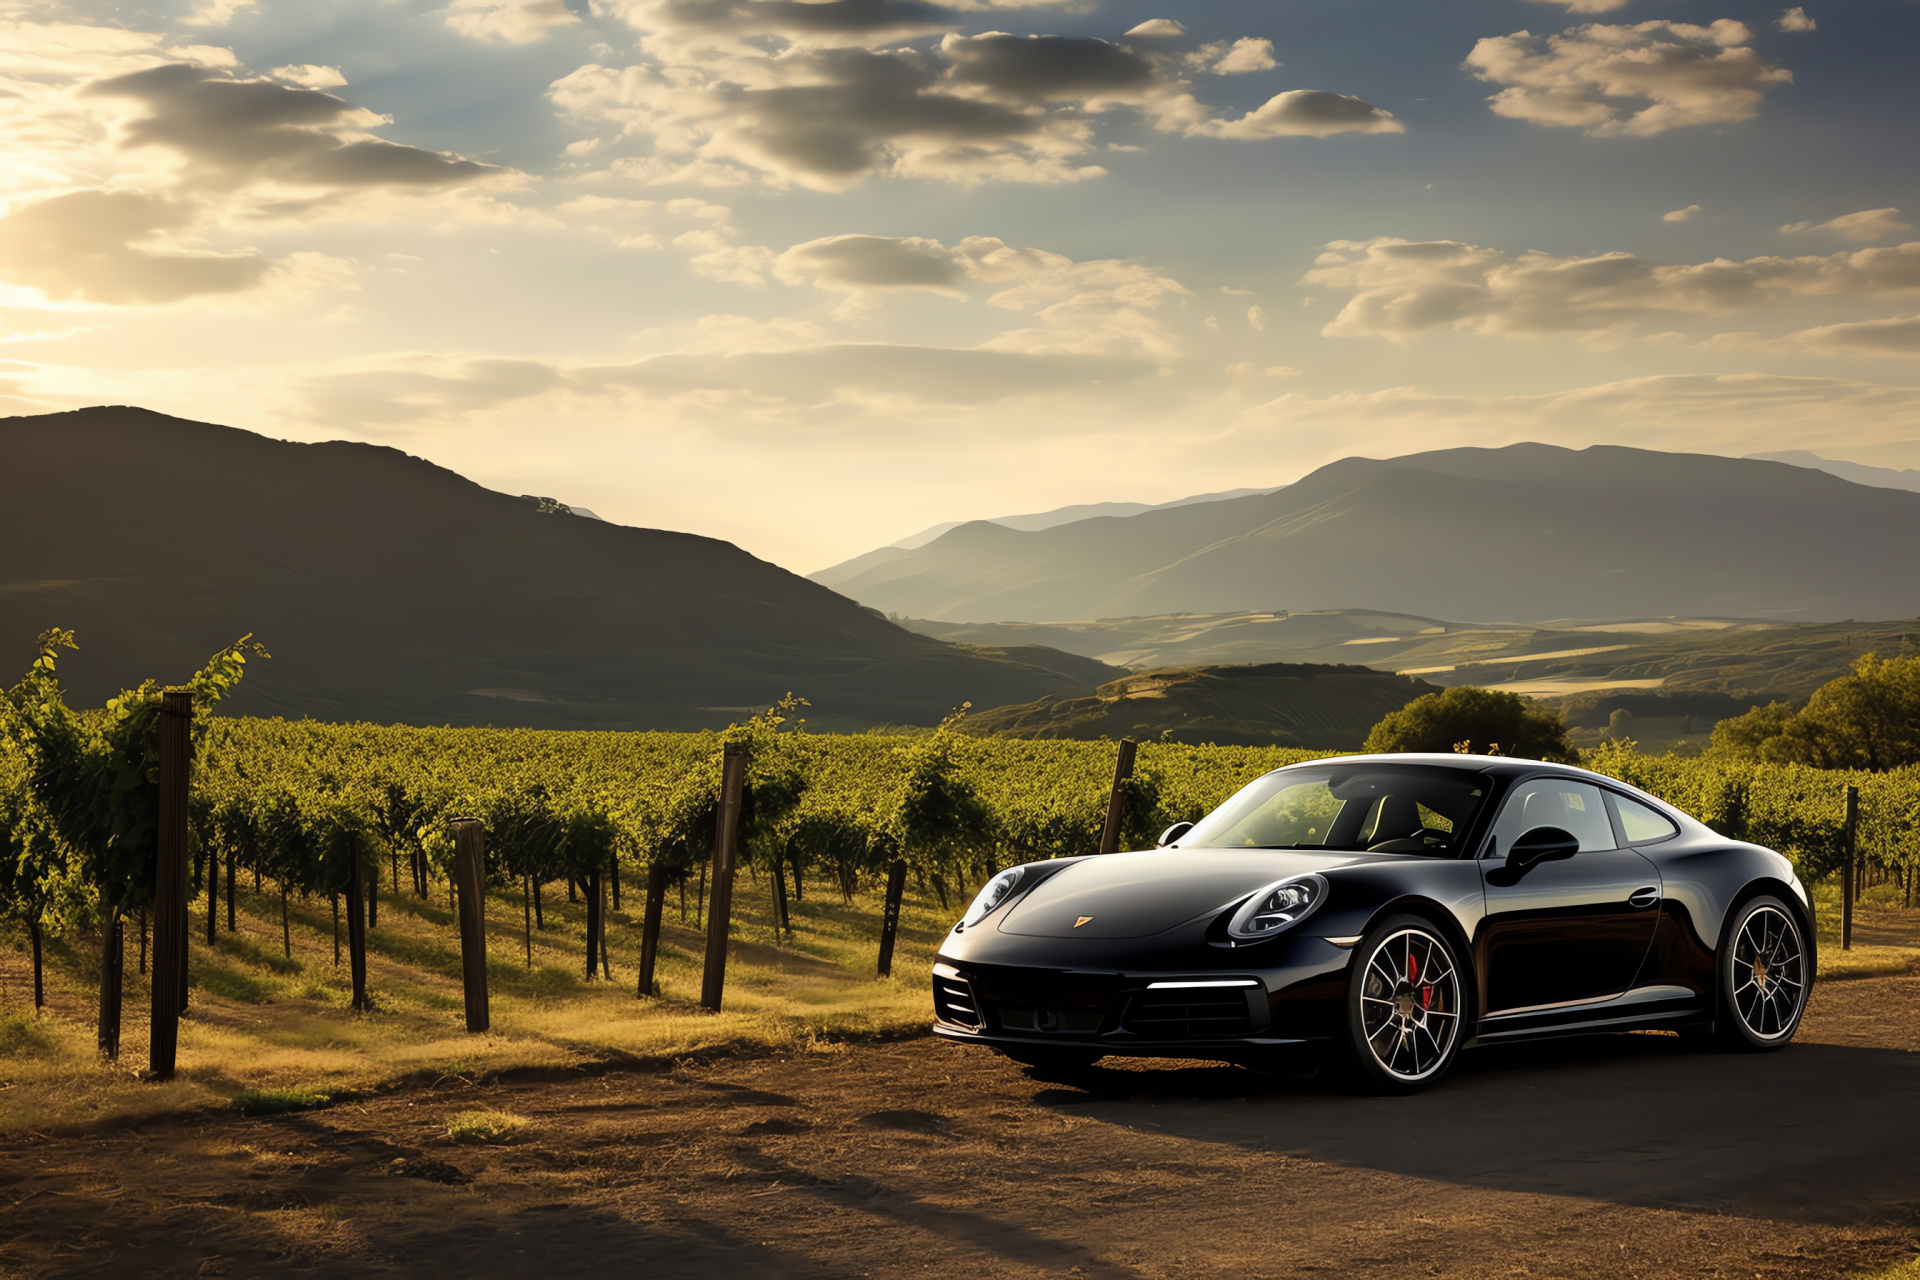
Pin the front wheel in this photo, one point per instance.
(1405, 1006)
(1764, 976)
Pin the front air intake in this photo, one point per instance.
(953, 1002)
(1190, 1014)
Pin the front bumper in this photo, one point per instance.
(1161, 1014)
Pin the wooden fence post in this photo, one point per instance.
(781, 920)
(890, 922)
(112, 966)
(1117, 798)
(356, 926)
(650, 924)
(595, 921)
(1848, 875)
(726, 838)
(169, 888)
(470, 877)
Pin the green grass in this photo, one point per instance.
(483, 1126)
(1908, 1270)
(276, 1102)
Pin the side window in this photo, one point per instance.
(1574, 807)
(1642, 825)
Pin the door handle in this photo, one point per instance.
(1646, 897)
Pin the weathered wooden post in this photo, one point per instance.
(650, 924)
(726, 839)
(213, 898)
(169, 889)
(890, 922)
(356, 926)
(470, 879)
(596, 920)
(1847, 872)
(1117, 798)
(112, 966)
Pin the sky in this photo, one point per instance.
(810, 275)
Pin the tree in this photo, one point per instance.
(1468, 717)
(1866, 719)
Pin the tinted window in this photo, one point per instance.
(1574, 807)
(1376, 808)
(1642, 824)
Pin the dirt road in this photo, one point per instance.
(1622, 1156)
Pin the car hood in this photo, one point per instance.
(1135, 895)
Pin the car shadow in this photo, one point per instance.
(1815, 1132)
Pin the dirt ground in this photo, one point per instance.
(1613, 1156)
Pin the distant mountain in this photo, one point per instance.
(832, 577)
(1526, 533)
(390, 589)
(1878, 477)
(1325, 707)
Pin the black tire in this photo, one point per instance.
(1765, 975)
(1407, 1007)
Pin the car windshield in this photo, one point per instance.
(1375, 808)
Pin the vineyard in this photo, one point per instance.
(304, 820)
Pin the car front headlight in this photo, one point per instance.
(1278, 906)
(991, 895)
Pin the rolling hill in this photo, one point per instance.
(1320, 706)
(1526, 533)
(390, 589)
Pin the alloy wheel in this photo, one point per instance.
(1410, 1004)
(1768, 978)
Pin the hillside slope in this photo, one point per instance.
(1526, 533)
(1320, 706)
(391, 589)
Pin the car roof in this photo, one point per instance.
(1499, 766)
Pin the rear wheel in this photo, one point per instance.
(1405, 1007)
(1764, 976)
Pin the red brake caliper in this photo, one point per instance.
(1413, 979)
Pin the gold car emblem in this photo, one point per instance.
(1082, 920)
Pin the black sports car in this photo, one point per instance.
(1392, 910)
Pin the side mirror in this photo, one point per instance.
(1542, 844)
(1172, 833)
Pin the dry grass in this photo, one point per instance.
(262, 1023)
(483, 1126)
(1886, 933)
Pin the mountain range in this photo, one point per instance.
(1526, 533)
(390, 589)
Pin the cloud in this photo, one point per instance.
(103, 247)
(1401, 287)
(1866, 225)
(1304, 113)
(309, 76)
(508, 21)
(827, 94)
(233, 131)
(1796, 19)
(1680, 215)
(1102, 306)
(1242, 56)
(1597, 77)
(217, 13)
(1588, 6)
(1899, 336)
(424, 388)
(856, 262)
